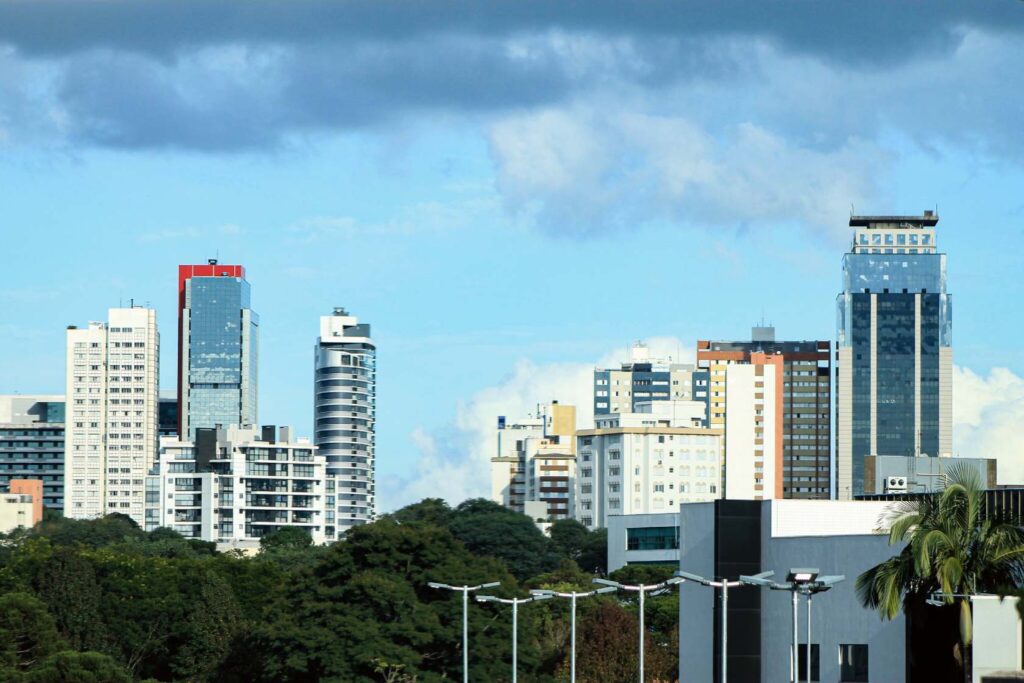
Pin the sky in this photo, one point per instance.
(510, 193)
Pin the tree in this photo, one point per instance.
(428, 511)
(286, 538)
(67, 584)
(487, 528)
(607, 642)
(78, 667)
(95, 533)
(951, 549)
(594, 554)
(569, 538)
(27, 632)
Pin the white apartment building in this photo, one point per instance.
(233, 485)
(647, 462)
(753, 435)
(111, 422)
(345, 409)
(534, 469)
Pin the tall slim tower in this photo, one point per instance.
(218, 343)
(111, 431)
(894, 347)
(345, 409)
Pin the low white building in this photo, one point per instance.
(235, 485)
(646, 462)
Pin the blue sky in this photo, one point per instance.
(508, 200)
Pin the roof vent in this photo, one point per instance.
(212, 261)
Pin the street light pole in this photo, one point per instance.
(655, 589)
(573, 596)
(725, 585)
(515, 602)
(465, 590)
(797, 581)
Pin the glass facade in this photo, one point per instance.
(894, 316)
(222, 353)
(653, 538)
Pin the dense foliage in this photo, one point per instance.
(102, 600)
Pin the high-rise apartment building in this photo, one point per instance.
(646, 462)
(894, 347)
(111, 427)
(32, 444)
(218, 342)
(233, 485)
(645, 379)
(534, 468)
(794, 429)
(345, 409)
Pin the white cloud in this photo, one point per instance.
(589, 169)
(988, 419)
(454, 461)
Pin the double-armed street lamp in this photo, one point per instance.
(465, 590)
(573, 596)
(515, 602)
(724, 585)
(642, 590)
(807, 582)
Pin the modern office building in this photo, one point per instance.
(894, 347)
(801, 410)
(233, 485)
(345, 412)
(643, 380)
(32, 443)
(730, 538)
(111, 427)
(218, 348)
(643, 539)
(646, 462)
(168, 415)
(534, 468)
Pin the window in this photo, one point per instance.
(853, 663)
(653, 538)
(815, 663)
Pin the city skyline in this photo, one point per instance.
(495, 229)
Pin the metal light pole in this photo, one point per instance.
(797, 581)
(465, 590)
(643, 590)
(572, 638)
(725, 585)
(515, 602)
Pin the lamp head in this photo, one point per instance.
(434, 584)
(490, 585)
(606, 582)
(802, 576)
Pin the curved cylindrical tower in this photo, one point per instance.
(345, 404)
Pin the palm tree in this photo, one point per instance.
(953, 550)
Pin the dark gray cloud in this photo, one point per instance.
(247, 74)
(869, 31)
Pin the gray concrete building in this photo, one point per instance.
(32, 443)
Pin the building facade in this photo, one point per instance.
(111, 414)
(802, 410)
(646, 462)
(643, 380)
(643, 539)
(894, 347)
(534, 468)
(233, 485)
(900, 474)
(218, 348)
(32, 443)
(345, 414)
(730, 538)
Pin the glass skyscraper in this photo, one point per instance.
(894, 347)
(345, 409)
(218, 345)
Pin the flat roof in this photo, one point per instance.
(865, 221)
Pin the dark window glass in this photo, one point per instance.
(815, 663)
(653, 538)
(853, 663)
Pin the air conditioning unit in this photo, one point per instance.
(896, 484)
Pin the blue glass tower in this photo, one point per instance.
(894, 347)
(219, 348)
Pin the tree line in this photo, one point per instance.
(102, 600)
